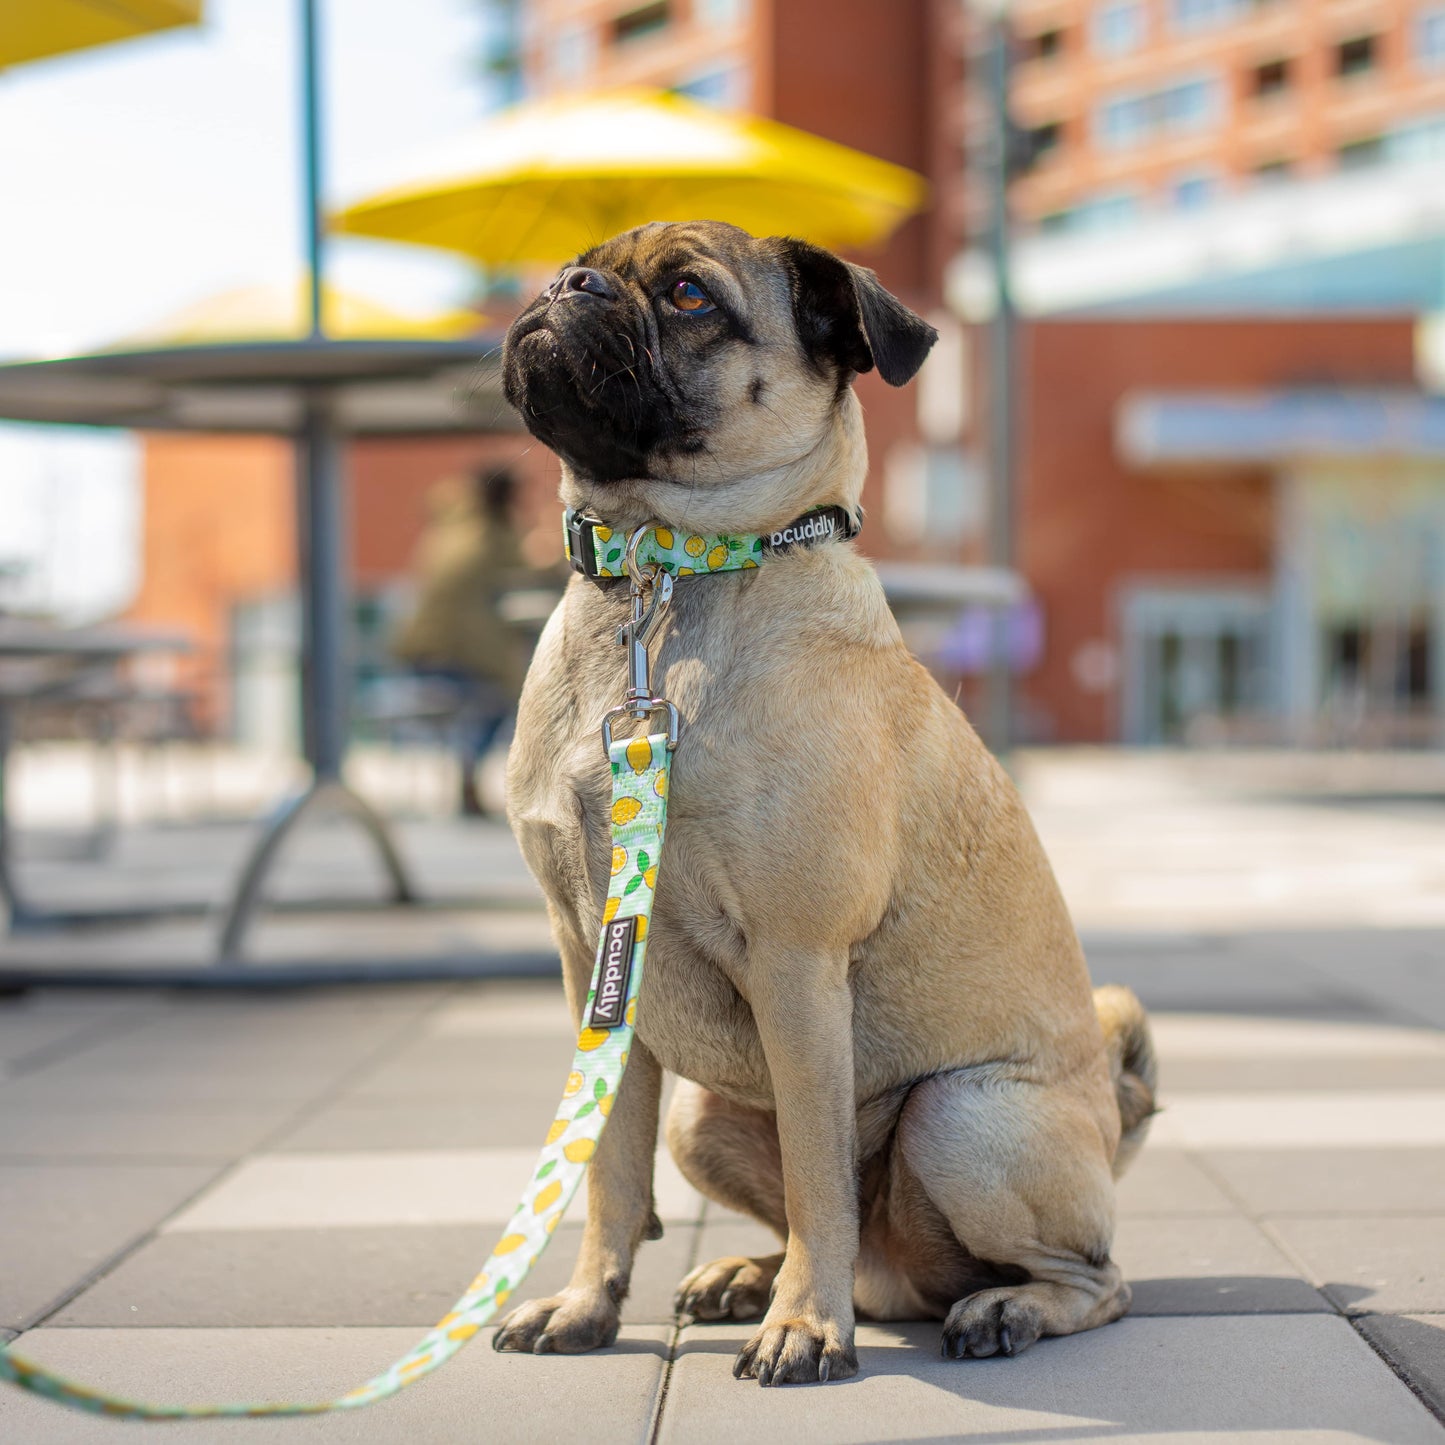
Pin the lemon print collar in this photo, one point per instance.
(599, 551)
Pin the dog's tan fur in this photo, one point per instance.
(860, 965)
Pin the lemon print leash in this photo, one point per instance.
(640, 768)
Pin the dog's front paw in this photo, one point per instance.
(732, 1288)
(796, 1351)
(570, 1323)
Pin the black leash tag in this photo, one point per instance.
(619, 939)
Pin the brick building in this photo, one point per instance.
(1231, 494)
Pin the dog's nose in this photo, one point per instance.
(584, 278)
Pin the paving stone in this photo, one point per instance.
(63, 1221)
(1415, 1345)
(304, 1047)
(1209, 1266)
(504, 1009)
(450, 1068)
(1333, 1181)
(62, 1084)
(356, 1276)
(1404, 1072)
(1382, 1263)
(102, 1131)
(28, 1034)
(1282, 1119)
(400, 1187)
(1168, 1181)
(476, 1121)
(1211, 978)
(605, 1397)
(1244, 1380)
(1201, 1037)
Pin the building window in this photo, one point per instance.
(1191, 106)
(1192, 15)
(639, 23)
(1043, 142)
(1271, 79)
(725, 86)
(1108, 211)
(721, 14)
(1269, 173)
(1421, 140)
(1130, 118)
(1357, 155)
(1046, 45)
(1430, 39)
(1123, 121)
(1120, 27)
(1193, 191)
(1357, 56)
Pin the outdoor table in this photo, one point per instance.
(40, 660)
(317, 391)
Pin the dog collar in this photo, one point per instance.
(597, 550)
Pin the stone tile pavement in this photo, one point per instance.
(205, 1196)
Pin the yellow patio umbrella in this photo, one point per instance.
(35, 29)
(278, 311)
(544, 180)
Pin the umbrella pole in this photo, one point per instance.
(312, 220)
(325, 694)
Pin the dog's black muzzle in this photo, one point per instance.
(578, 367)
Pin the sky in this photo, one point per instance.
(139, 178)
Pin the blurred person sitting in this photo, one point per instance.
(469, 556)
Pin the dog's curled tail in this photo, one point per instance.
(1132, 1064)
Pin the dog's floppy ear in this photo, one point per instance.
(846, 317)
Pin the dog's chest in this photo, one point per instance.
(691, 1014)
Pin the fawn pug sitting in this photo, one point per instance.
(859, 964)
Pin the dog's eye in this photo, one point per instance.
(689, 296)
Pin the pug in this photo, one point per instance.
(860, 967)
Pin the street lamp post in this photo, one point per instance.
(1002, 350)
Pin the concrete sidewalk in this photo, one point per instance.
(233, 1195)
(211, 1197)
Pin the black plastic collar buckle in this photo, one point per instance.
(581, 544)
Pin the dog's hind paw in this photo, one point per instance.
(732, 1288)
(570, 1323)
(992, 1322)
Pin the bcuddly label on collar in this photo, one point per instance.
(619, 940)
(812, 528)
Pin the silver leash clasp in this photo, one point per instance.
(651, 590)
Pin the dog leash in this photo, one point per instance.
(640, 768)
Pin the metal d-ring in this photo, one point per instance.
(641, 576)
(641, 708)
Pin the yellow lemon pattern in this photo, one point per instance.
(587, 1100)
(624, 810)
(688, 554)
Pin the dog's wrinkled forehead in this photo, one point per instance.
(741, 270)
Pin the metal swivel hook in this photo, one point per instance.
(651, 590)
